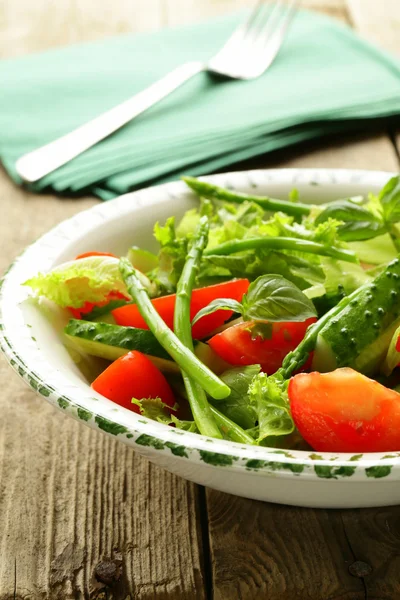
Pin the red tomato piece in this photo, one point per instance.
(89, 306)
(87, 254)
(244, 344)
(344, 411)
(129, 315)
(133, 376)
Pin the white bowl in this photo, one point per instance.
(30, 338)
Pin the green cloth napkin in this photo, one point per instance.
(324, 79)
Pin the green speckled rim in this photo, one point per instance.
(78, 400)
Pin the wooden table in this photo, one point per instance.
(81, 515)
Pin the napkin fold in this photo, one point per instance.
(324, 79)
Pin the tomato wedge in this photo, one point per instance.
(344, 411)
(252, 343)
(129, 315)
(78, 313)
(88, 306)
(133, 376)
(94, 253)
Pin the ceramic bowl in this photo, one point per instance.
(30, 337)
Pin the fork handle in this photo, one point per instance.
(38, 163)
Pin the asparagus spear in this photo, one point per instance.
(281, 243)
(199, 405)
(183, 356)
(213, 192)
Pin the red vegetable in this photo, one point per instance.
(345, 411)
(245, 344)
(133, 376)
(93, 253)
(129, 315)
(89, 306)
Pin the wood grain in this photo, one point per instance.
(70, 501)
(83, 517)
(263, 551)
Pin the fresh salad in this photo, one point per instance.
(261, 321)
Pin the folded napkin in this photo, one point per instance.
(324, 79)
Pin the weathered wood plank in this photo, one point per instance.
(276, 552)
(260, 550)
(70, 500)
(265, 551)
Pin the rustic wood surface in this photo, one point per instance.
(82, 516)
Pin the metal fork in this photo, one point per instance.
(247, 54)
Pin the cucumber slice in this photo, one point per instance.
(112, 341)
(206, 354)
(143, 260)
(360, 336)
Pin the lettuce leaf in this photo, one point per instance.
(171, 258)
(75, 282)
(154, 408)
(269, 397)
(157, 410)
(392, 358)
(88, 279)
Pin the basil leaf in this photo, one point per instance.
(389, 198)
(357, 222)
(219, 304)
(274, 298)
(269, 397)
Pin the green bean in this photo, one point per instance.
(281, 243)
(214, 192)
(183, 356)
(197, 398)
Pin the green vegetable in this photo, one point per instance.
(237, 406)
(376, 218)
(273, 298)
(73, 283)
(357, 222)
(106, 338)
(269, 298)
(155, 409)
(392, 359)
(230, 429)
(171, 257)
(142, 260)
(281, 243)
(206, 354)
(103, 313)
(341, 279)
(295, 360)
(389, 198)
(184, 357)
(376, 251)
(213, 192)
(197, 398)
(360, 335)
(269, 397)
(298, 270)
